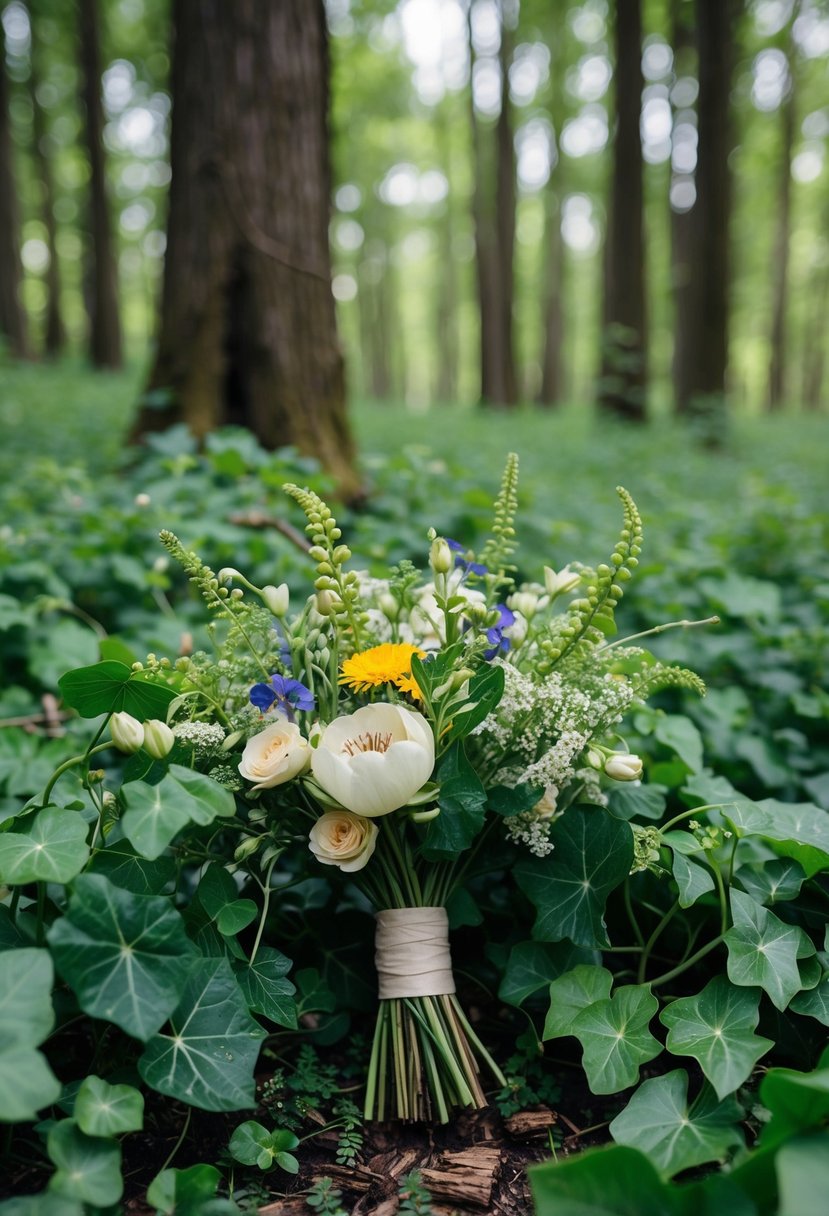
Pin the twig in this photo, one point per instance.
(258, 519)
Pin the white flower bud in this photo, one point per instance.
(559, 584)
(158, 739)
(276, 598)
(142, 500)
(623, 766)
(325, 603)
(440, 556)
(525, 602)
(227, 574)
(389, 606)
(127, 732)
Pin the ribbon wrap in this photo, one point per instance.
(412, 953)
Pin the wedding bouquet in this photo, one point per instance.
(401, 725)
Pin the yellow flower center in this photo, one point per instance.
(368, 742)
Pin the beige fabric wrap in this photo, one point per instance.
(412, 952)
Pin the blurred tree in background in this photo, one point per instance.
(489, 237)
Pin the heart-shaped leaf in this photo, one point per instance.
(208, 1056)
(592, 856)
(716, 1028)
(112, 687)
(125, 956)
(534, 965)
(763, 950)
(125, 867)
(51, 848)
(814, 1003)
(798, 1101)
(612, 1181)
(108, 1110)
(27, 1084)
(571, 993)
(253, 1144)
(774, 882)
(265, 987)
(615, 1038)
(659, 1121)
(156, 813)
(88, 1167)
(189, 1193)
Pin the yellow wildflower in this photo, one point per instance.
(390, 663)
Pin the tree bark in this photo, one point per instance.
(623, 382)
(12, 316)
(505, 219)
(55, 334)
(446, 313)
(682, 39)
(704, 391)
(552, 340)
(780, 262)
(248, 331)
(104, 323)
(814, 355)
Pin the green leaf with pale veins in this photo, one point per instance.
(814, 1003)
(127, 868)
(88, 1167)
(716, 1027)
(615, 1038)
(799, 830)
(571, 993)
(763, 950)
(592, 856)
(108, 1110)
(51, 848)
(157, 813)
(265, 987)
(659, 1121)
(693, 880)
(774, 882)
(208, 1056)
(27, 1084)
(534, 965)
(125, 956)
(112, 687)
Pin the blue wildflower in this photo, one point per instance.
(495, 635)
(462, 563)
(289, 695)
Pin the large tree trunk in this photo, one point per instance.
(446, 312)
(624, 366)
(486, 260)
(102, 287)
(682, 38)
(780, 289)
(703, 391)
(814, 352)
(248, 331)
(55, 336)
(551, 389)
(12, 316)
(505, 217)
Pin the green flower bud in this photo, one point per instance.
(158, 739)
(276, 598)
(440, 556)
(127, 732)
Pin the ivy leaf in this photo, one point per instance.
(184, 1191)
(814, 1003)
(681, 736)
(156, 813)
(265, 987)
(798, 1101)
(799, 830)
(126, 868)
(802, 1167)
(108, 1110)
(571, 993)
(693, 880)
(207, 1058)
(615, 1038)
(462, 801)
(125, 956)
(26, 1017)
(112, 687)
(88, 1167)
(52, 848)
(534, 965)
(763, 951)
(716, 1028)
(508, 800)
(774, 882)
(611, 1181)
(675, 1135)
(644, 801)
(592, 856)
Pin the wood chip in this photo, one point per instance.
(467, 1176)
(529, 1123)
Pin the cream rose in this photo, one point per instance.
(275, 755)
(340, 838)
(375, 760)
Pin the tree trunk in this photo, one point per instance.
(623, 383)
(550, 393)
(446, 313)
(248, 331)
(814, 356)
(486, 257)
(780, 289)
(55, 335)
(12, 315)
(704, 392)
(505, 219)
(682, 38)
(105, 328)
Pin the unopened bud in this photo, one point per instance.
(623, 766)
(247, 848)
(325, 603)
(440, 556)
(227, 574)
(559, 584)
(127, 732)
(158, 739)
(525, 602)
(231, 740)
(276, 598)
(389, 606)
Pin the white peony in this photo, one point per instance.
(340, 838)
(275, 755)
(375, 760)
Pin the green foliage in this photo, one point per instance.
(253, 1144)
(415, 1199)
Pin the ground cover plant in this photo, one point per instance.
(692, 962)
